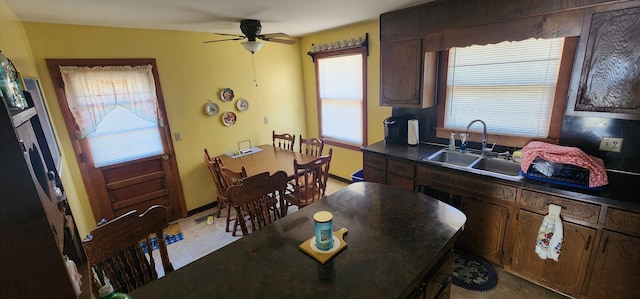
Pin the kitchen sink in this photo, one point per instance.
(451, 157)
(506, 167)
(477, 163)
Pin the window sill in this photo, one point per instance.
(504, 140)
(337, 143)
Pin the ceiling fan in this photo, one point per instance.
(251, 30)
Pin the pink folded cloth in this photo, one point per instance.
(567, 155)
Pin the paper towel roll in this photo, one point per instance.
(413, 134)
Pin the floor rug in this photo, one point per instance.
(172, 234)
(473, 273)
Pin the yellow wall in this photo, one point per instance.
(345, 162)
(191, 74)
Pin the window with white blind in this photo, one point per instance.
(510, 86)
(341, 97)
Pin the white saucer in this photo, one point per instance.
(336, 245)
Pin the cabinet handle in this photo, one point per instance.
(604, 247)
(588, 242)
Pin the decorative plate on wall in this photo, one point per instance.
(242, 104)
(211, 108)
(229, 118)
(226, 95)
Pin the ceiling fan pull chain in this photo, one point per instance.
(253, 65)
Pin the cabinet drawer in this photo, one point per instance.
(374, 161)
(623, 220)
(404, 169)
(570, 208)
(399, 181)
(375, 175)
(465, 186)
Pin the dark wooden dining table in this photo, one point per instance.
(269, 159)
(395, 236)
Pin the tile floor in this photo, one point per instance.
(201, 239)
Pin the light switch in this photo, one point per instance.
(177, 136)
(266, 120)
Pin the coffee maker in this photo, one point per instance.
(395, 130)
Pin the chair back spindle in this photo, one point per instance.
(310, 180)
(258, 197)
(311, 146)
(284, 141)
(113, 249)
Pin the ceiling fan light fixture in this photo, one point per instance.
(252, 46)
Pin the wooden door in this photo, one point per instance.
(616, 268)
(118, 188)
(568, 273)
(484, 230)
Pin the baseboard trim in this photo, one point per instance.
(341, 179)
(203, 208)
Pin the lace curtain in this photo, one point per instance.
(93, 92)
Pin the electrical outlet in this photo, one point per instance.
(611, 144)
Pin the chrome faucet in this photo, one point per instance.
(484, 134)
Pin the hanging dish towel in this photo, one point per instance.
(549, 241)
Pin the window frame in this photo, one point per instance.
(557, 111)
(336, 53)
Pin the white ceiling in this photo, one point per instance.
(293, 17)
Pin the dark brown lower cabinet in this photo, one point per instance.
(616, 272)
(483, 232)
(567, 275)
(437, 283)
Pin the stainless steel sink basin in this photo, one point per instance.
(477, 163)
(455, 158)
(496, 165)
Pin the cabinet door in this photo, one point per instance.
(484, 230)
(616, 273)
(400, 73)
(568, 273)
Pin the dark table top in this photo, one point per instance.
(395, 237)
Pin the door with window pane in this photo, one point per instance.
(114, 113)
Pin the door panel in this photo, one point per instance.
(568, 273)
(134, 185)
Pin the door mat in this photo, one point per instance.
(472, 272)
(172, 234)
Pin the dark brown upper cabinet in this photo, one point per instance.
(407, 74)
(609, 81)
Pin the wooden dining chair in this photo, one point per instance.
(310, 181)
(231, 178)
(221, 186)
(258, 197)
(311, 146)
(113, 249)
(284, 141)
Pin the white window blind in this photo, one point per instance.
(340, 86)
(510, 86)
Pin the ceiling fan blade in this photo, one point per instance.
(223, 40)
(270, 35)
(227, 34)
(277, 40)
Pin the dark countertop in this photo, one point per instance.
(621, 192)
(395, 237)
